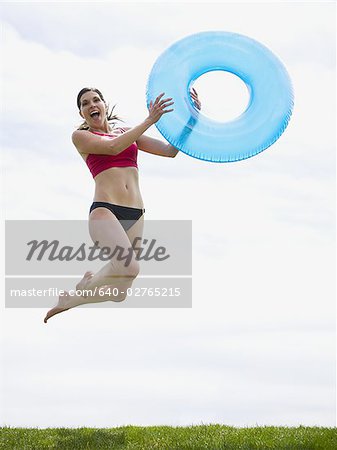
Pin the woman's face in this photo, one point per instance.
(93, 109)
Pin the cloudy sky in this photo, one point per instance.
(258, 346)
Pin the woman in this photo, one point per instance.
(117, 213)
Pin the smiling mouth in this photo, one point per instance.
(94, 115)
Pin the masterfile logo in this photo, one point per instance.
(45, 257)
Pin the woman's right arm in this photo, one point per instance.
(87, 142)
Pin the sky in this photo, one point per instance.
(258, 345)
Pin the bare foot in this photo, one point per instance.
(64, 302)
(86, 278)
(63, 305)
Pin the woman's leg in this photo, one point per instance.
(115, 279)
(105, 229)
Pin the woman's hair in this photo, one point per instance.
(110, 117)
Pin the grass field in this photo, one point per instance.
(200, 437)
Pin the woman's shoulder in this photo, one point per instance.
(81, 132)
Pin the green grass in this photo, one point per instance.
(200, 437)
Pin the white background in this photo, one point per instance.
(258, 345)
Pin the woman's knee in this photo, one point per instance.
(128, 269)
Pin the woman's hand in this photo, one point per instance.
(195, 98)
(157, 109)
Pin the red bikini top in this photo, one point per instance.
(126, 158)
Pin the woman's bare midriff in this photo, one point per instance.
(118, 185)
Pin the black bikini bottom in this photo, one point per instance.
(125, 214)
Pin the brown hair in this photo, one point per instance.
(110, 117)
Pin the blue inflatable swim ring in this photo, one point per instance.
(258, 127)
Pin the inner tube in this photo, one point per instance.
(257, 128)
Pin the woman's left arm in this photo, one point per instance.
(156, 146)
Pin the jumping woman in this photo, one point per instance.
(116, 216)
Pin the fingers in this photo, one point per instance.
(162, 102)
(159, 107)
(159, 102)
(164, 111)
(165, 104)
(194, 94)
(195, 98)
(158, 98)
